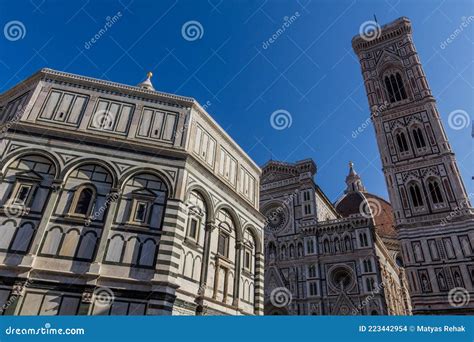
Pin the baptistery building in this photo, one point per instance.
(123, 200)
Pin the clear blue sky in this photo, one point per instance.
(309, 71)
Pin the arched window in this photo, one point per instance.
(368, 284)
(283, 252)
(363, 240)
(415, 195)
(310, 246)
(435, 192)
(395, 87)
(347, 243)
(312, 271)
(271, 250)
(300, 249)
(83, 200)
(367, 266)
(418, 137)
(326, 246)
(401, 142)
(292, 251)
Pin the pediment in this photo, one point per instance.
(273, 279)
(344, 306)
(387, 58)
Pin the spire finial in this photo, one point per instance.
(353, 181)
(146, 84)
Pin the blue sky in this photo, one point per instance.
(309, 71)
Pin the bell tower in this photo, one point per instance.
(433, 216)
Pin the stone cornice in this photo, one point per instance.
(390, 31)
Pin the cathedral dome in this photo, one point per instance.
(357, 201)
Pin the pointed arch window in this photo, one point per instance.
(300, 249)
(402, 142)
(347, 243)
(395, 87)
(283, 252)
(337, 246)
(418, 137)
(292, 251)
(271, 250)
(415, 195)
(310, 246)
(311, 271)
(435, 192)
(326, 246)
(363, 240)
(367, 266)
